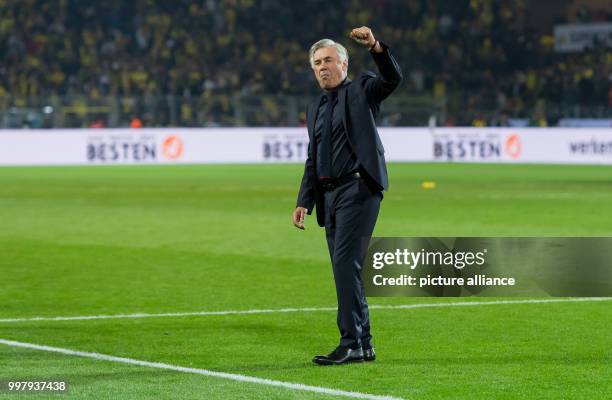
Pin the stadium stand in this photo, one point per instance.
(107, 63)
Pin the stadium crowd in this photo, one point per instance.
(475, 57)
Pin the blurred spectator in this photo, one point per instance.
(136, 123)
(98, 124)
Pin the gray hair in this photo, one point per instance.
(342, 53)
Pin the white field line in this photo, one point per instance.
(198, 371)
(304, 309)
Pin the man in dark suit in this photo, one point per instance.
(344, 177)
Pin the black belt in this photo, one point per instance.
(329, 185)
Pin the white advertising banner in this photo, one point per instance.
(524, 145)
(291, 144)
(183, 145)
(273, 145)
(578, 37)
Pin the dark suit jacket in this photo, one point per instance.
(359, 101)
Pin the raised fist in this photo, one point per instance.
(363, 36)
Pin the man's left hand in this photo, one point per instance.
(363, 36)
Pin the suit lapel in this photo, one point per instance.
(342, 96)
(342, 93)
(313, 110)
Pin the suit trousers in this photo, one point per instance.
(351, 211)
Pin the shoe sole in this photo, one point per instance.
(325, 362)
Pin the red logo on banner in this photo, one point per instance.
(172, 147)
(513, 146)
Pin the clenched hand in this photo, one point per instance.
(363, 36)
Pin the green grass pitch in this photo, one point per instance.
(152, 239)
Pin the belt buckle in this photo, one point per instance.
(328, 185)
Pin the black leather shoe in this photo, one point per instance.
(341, 355)
(369, 354)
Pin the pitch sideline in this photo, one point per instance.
(303, 309)
(198, 371)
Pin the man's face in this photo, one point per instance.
(328, 68)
